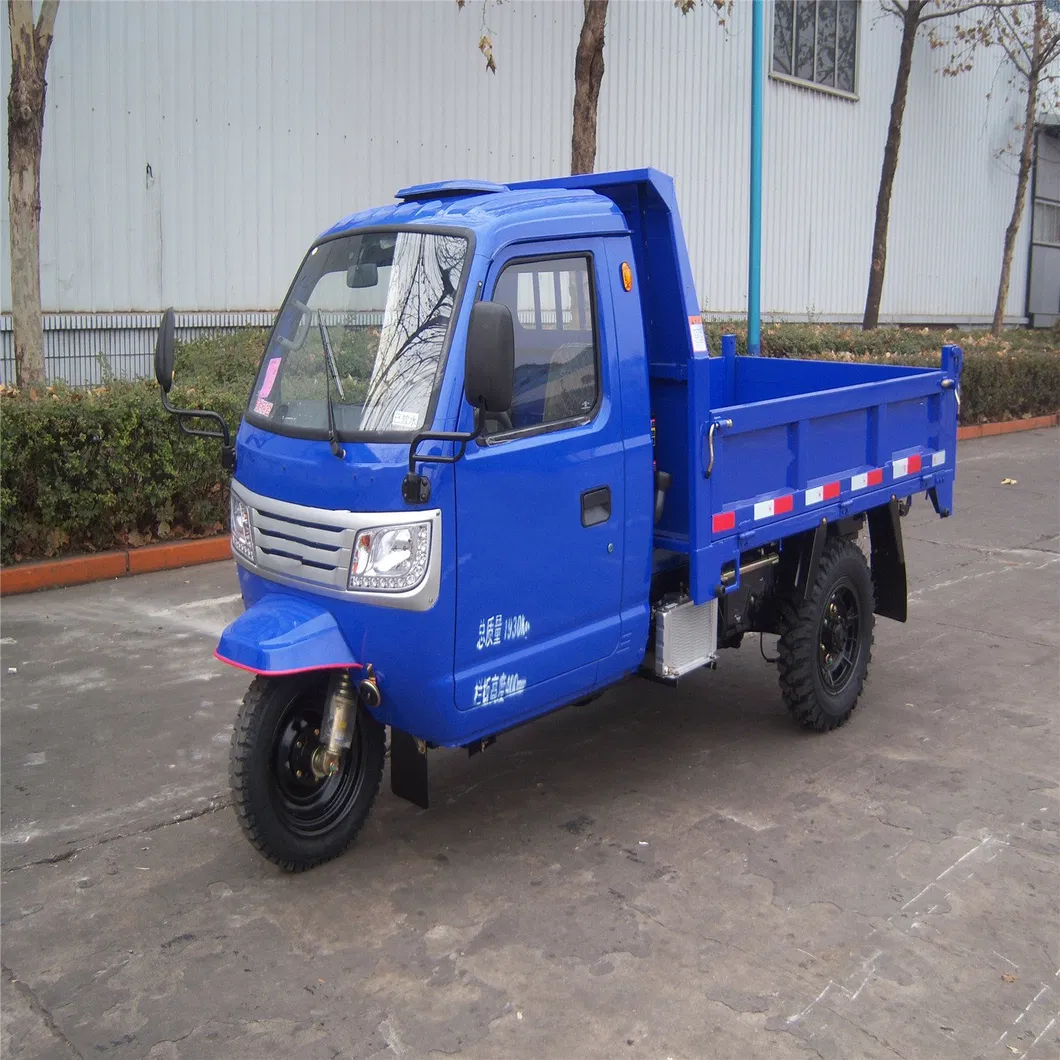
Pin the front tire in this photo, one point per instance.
(826, 642)
(294, 818)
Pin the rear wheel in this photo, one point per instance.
(826, 642)
(293, 816)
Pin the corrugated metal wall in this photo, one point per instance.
(193, 150)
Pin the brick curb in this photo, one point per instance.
(990, 430)
(55, 573)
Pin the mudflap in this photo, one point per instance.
(888, 561)
(281, 635)
(408, 768)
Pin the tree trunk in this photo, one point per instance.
(25, 126)
(588, 74)
(910, 25)
(1026, 156)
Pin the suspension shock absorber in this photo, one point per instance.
(337, 734)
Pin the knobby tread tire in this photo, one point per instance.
(800, 685)
(252, 807)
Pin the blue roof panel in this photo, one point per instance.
(496, 216)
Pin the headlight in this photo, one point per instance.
(390, 558)
(242, 534)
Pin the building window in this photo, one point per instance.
(1047, 222)
(816, 42)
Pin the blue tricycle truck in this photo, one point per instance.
(489, 468)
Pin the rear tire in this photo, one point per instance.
(826, 641)
(292, 817)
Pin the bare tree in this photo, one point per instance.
(30, 45)
(1032, 45)
(912, 14)
(588, 75)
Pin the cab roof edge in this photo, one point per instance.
(449, 189)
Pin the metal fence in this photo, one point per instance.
(87, 349)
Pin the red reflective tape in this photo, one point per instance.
(831, 491)
(724, 521)
(783, 504)
(875, 477)
(914, 464)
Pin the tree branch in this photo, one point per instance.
(1018, 51)
(976, 5)
(46, 23)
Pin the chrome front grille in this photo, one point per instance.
(312, 547)
(316, 550)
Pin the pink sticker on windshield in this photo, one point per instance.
(263, 407)
(271, 371)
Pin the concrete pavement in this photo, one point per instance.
(657, 874)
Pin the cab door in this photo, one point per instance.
(541, 500)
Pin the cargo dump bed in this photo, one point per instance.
(762, 448)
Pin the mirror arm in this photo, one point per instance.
(415, 488)
(228, 456)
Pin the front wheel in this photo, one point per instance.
(293, 816)
(826, 642)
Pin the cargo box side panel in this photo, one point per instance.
(785, 464)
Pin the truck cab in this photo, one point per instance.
(489, 468)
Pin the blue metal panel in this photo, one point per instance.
(539, 594)
(669, 405)
(633, 392)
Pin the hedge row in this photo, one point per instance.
(105, 468)
(84, 470)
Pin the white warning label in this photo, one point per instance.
(699, 336)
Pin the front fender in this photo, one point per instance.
(282, 634)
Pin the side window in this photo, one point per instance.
(556, 375)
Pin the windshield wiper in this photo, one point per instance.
(330, 370)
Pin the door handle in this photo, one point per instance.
(596, 505)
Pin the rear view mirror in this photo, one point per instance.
(366, 275)
(489, 358)
(164, 350)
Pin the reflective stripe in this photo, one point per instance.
(906, 465)
(866, 479)
(724, 521)
(817, 494)
(939, 458)
(774, 506)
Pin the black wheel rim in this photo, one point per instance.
(309, 805)
(839, 637)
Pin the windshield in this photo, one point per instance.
(380, 303)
